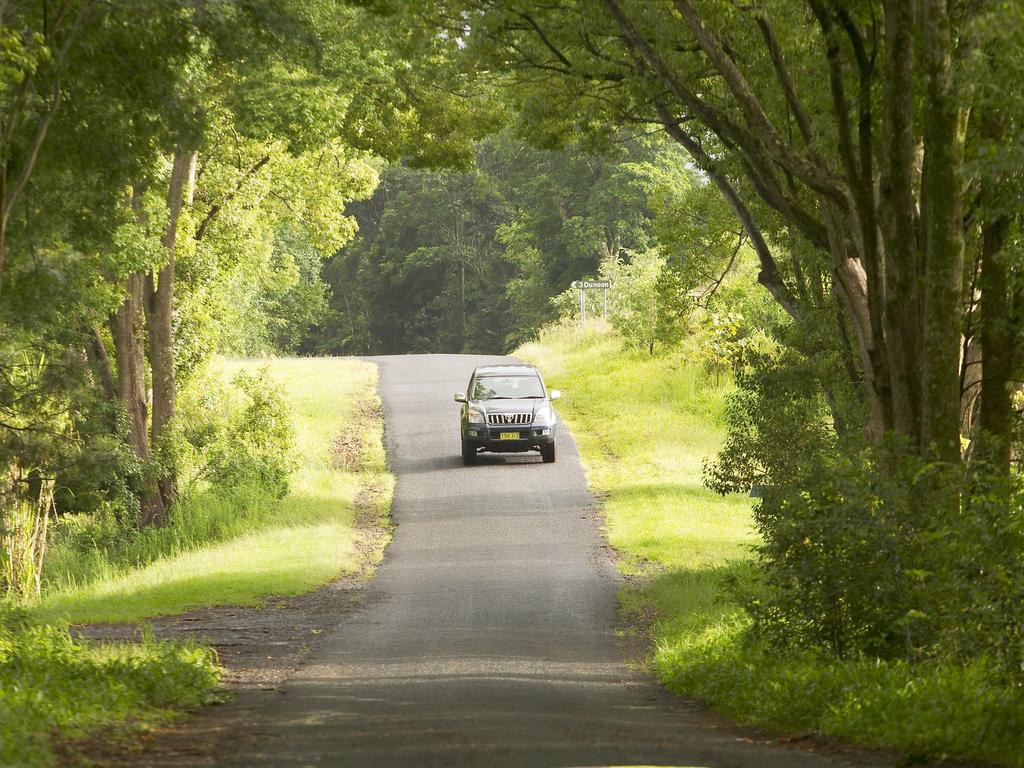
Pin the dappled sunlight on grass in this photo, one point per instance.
(286, 561)
(277, 547)
(645, 426)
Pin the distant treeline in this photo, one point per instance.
(468, 261)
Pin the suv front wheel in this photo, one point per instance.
(469, 453)
(547, 452)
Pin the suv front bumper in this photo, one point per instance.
(527, 438)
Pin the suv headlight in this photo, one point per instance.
(476, 416)
(544, 416)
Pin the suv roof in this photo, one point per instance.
(506, 370)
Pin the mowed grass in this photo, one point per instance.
(286, 546)
(645, 425)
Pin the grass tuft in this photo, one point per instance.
(51, 683)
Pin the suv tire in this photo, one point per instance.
(468, 453)
(547, 452)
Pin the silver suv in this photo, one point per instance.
(507, 409)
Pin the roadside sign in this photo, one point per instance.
(591, 285)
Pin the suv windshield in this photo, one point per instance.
(507, 388)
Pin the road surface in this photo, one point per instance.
(488, 636)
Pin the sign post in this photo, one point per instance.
(591, 285)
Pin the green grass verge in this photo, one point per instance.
(270, 546)
(644, 427)
(51, 683)
(232, 547)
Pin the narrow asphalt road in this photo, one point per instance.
(488, 636)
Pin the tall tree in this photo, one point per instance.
(864, 163)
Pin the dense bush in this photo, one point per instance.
(241, 435)
(977, 581)
(866, 550)
(235, 454)
(843, 553)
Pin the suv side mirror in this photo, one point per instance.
(554, 394)
(460, 397)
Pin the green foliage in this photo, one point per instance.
(248, 282)
(24, 528)
(236, 453)
(645, 303)
(931, 711)
(777, 419)
(974, 580)
(252, 444)
(644, 426)
(426, 273)
(866, 550)
(643, 310)
(843, 553)
(468, 261)
(282, 102)
(723, 343)
(238, 545)
(53, 686)
(299, 300)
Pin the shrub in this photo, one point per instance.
(843, 553)
(649, 305)
(241, 437)
(646, 304)
(868, 550)
(236, 453)
(865, 549)
(978, 579)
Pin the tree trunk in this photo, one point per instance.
(995, 417)
(897, 216)
(129, 351)
(159, 308)
(99, 362)
(897, 260)
(126, 331)
(943, 241)
(462, 304)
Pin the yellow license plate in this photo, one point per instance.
(508, 436)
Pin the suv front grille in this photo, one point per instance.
(500, 419)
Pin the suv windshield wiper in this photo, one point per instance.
(530, 397)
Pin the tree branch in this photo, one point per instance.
(712, 289)
(544, 39)
(812, 173)
(782, 72)
(758, 164)
(769, 275)
(216, 208)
